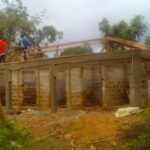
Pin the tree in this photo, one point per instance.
(120, 30)
(137, 27)
(86, 49)
(47, 34)
(133, 30)
(104, 26)
(16, 20)
(59, 35)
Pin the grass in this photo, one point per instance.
(13, 136)
(137, 135)
(76, 126)
(48, 143)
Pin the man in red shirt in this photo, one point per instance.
(3, 46)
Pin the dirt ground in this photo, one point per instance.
(80, 127)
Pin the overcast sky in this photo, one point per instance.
(78, 19)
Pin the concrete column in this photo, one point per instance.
(103, 78)
(8, 94)
(38, 93)
(20, 90)
(135, 86)
(53, 90)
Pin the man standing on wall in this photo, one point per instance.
(3, 46)
(25, 44)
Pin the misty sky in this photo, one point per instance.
(78, 19)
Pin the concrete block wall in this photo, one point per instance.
(131, 83)
(91, 86)
(108, 84)
(144, 85)
(145, 82)
(114, 85)
(43, 89)
(17, 89)
(74, 88)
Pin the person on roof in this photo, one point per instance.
(25, 44)
(3, 46)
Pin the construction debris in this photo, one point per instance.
(122, 112)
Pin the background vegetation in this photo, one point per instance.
(15, 20)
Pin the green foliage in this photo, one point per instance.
(140, 143)
(76, 126)
(137, 27)
(13, 136)
(49, 143)
(77, 50)
(15, 20)
(104, 26)
(133, 30)
(120, 30)
(50, 33)
(137, 136)
(147, 40)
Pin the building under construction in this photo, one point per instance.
(102, 79)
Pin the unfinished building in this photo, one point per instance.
(102, 79)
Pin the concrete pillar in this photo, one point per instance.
(53, 90)
(20, 89)
(38, 102)
(103, 78)
(135, 82)
(8, 94)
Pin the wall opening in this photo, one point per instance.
(29, 88)
(2, 89)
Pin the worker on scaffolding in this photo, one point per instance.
(3, 46)
(25, 44)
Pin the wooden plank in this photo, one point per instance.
(127, 43)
